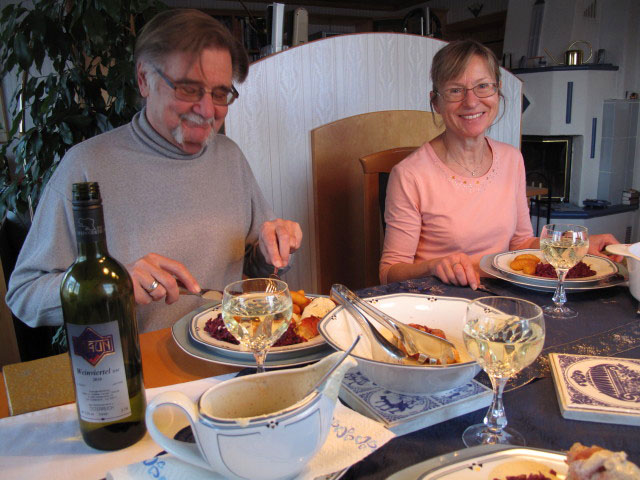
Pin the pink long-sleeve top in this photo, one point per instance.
(432, 212)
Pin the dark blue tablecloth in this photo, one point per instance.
(533, 408)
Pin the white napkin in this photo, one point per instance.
(352, 437)
(48, 444)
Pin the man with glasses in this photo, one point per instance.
(181, 204)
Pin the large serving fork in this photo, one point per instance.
(414, 341)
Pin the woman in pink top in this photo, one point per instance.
(462, 195)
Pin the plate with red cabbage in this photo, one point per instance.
(591, 269)
(208, 329)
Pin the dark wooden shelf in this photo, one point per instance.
(558, 68)
(487, 29)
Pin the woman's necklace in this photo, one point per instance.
(477, 169)
(473, 172)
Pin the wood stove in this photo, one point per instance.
(547, 161)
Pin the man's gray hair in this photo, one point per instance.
(188, 31)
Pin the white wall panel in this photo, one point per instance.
(290, 93)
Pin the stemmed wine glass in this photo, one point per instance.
(504, 335)
(257, 311)
(563, 246)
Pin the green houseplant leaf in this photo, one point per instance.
(77, 59)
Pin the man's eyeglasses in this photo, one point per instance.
(457, 94)
(193, 93)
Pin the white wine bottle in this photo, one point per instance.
(98, 306)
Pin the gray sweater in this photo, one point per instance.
(203, 210)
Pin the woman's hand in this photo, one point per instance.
(156, 278)
(456, 269)
(599, 241)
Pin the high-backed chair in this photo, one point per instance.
(8, 336)
(376, 168)
(339, 186)
(290, 93)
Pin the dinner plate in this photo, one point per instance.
(487, 462)
(182, 337)
(620, 279)
(603, 267)
(200, 335)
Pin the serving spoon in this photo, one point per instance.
(324, 378)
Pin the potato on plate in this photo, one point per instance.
(526, 262)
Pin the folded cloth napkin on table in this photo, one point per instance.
(352, 437)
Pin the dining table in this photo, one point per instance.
(607, 325)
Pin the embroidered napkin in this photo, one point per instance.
(352, 437)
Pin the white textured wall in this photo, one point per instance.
(288, 94)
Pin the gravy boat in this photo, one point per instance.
(260, 427)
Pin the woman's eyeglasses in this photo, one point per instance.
(193, 93)
(457, 94)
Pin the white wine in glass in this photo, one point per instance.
(563, 246)
(257, 312)
(504, 335)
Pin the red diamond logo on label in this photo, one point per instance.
(92, 346)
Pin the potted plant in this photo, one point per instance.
(74, 62)
(75, 59)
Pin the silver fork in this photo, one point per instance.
(275, 275)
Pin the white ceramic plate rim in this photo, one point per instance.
(449, 466)
(332, 316)
(200, 335)
(603, 267)
(182, 337)
(486, 265)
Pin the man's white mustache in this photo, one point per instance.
(197, 119)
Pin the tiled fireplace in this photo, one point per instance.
(582, 144)
(547, 161)
(566, 104)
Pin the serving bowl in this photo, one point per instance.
(339, 329)
(634, 270)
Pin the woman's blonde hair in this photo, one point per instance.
(452, 59)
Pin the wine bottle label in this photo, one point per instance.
(98, 371)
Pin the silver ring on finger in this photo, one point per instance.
(153, 286)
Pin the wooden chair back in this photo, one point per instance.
(376, 168)
(10, 352)
(339, 189)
